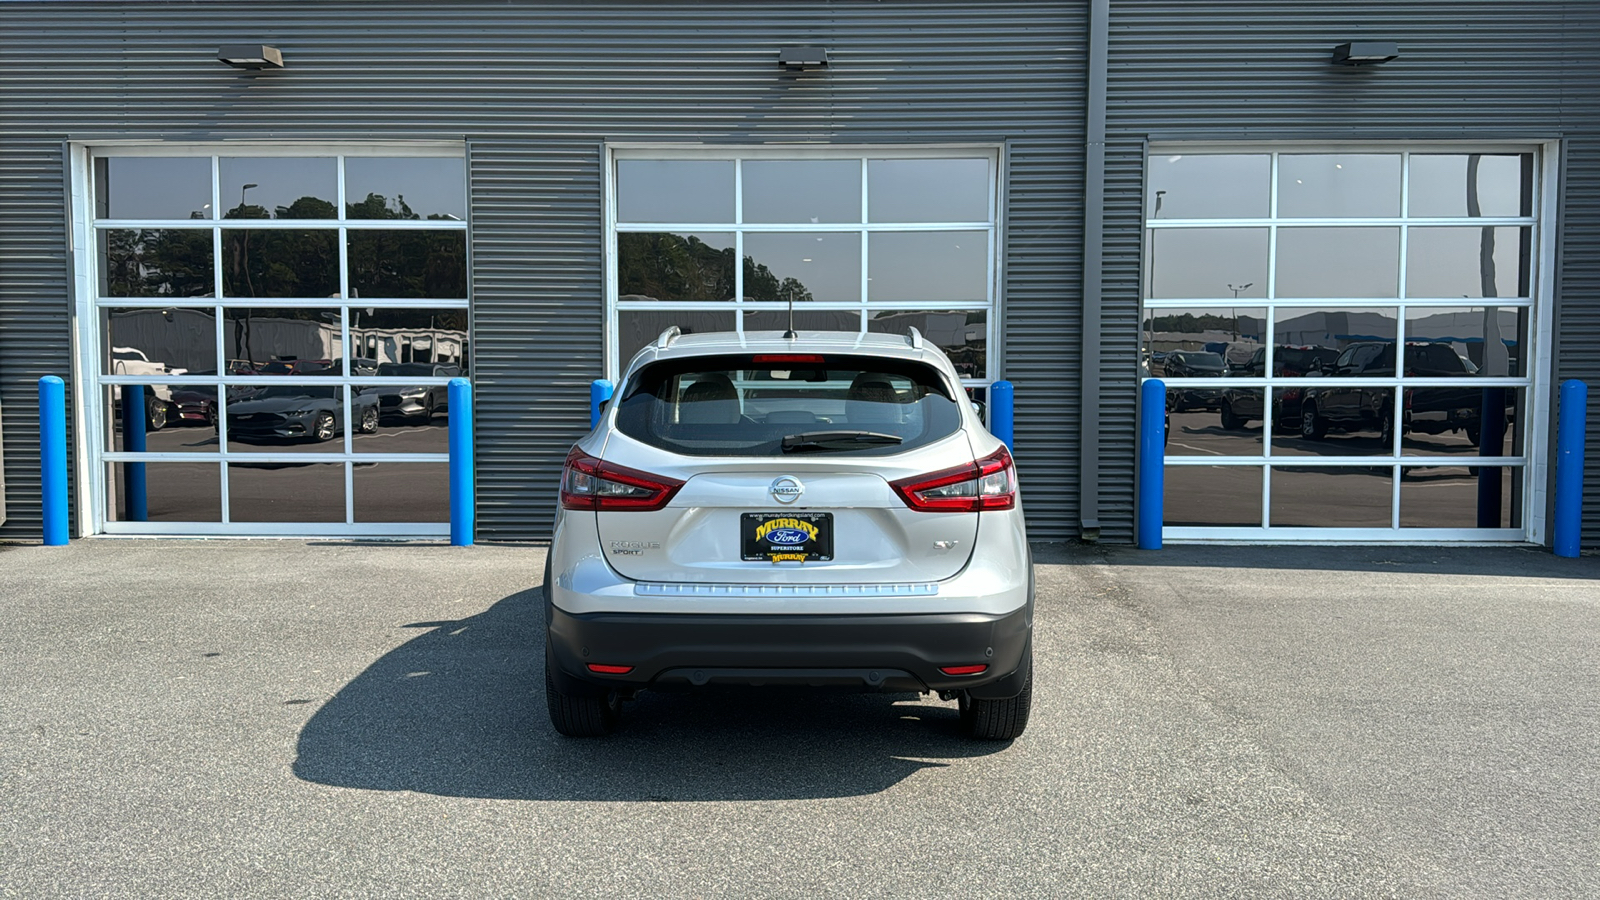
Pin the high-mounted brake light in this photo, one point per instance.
(958, 670)
(786, 358)
(590, 483)
(988, 483)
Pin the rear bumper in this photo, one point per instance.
(861, 652)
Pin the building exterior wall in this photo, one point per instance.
(535, 90)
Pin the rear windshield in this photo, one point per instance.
(759, 405)
(1204, 360)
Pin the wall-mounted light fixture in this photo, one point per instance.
(251, 56)
(803, 59)
(1365, 53)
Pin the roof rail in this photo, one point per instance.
(914, 338)
(668, 336)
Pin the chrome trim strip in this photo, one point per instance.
(785, 591)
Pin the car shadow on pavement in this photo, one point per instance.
(459, 711)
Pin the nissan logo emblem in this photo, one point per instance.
(787, 489)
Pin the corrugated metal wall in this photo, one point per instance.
(536, 88)
(1258, 70)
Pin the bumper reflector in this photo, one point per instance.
(958, 670)
(609, 670)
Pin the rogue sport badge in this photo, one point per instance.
(786, 489)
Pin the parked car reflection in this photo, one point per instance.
(1241, 406)
(1194, 364)
(416, 404)
(299, 413)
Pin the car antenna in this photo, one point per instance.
(790, 335)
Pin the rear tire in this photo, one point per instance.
(1230, 421)
(581, 716)
(998, 720)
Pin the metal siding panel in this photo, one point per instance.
(33, 306)
(1259, 70)
(536, 88)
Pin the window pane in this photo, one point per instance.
(152, 188)
(1195, 423)
(928, 266)
(174, 492)
(280, 263)
(402, 492)
(278, 492)
(825, 267)
(1212, 495)
(961, 334)
(675, 190)
(1223, 337)
(1210, 187)
(1468, 262)
(1459, 497)
(161, 418)
(801, 190)
(804, 320)
(1457, 342)
(1340, 421)
(156, 262)
(1441, 186)
(405, 188)
(1240, 412)
(404, 417)
(666, 266)
(1338, 262)
(1332, 497)
(381, 336)
(1334, 328)
(295, 341)
(174, 340)
(279, 188)
(1452, 421)
(928, 190)
(1205, 263)
(1329, 186)
(407, 265)
(638, 327)
(288, 418)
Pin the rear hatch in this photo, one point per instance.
(782, 469)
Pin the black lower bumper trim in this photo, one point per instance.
(867, 653)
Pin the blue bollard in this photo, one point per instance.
(462, 509)
(600, 390)
(1572, 420)
(1002, 411)
(53, 458)
(1152, 461)
(136, 504)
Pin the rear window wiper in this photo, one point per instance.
(837, 440)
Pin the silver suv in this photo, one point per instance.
(823, 510)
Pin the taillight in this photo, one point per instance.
(964, 670)
(989, 483)
(589, 483)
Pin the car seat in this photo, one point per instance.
(871, 400)
(711, 400)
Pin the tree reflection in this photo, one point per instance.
(665, 266)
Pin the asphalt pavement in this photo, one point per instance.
(348, 719)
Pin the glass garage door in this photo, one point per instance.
(1347, 341)
(864, 241)
(273, 338)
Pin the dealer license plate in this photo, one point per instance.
(786, 536)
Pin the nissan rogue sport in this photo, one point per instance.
(818, 511)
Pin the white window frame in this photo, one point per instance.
(991, 304)
(92, 503)
(1536, 382)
